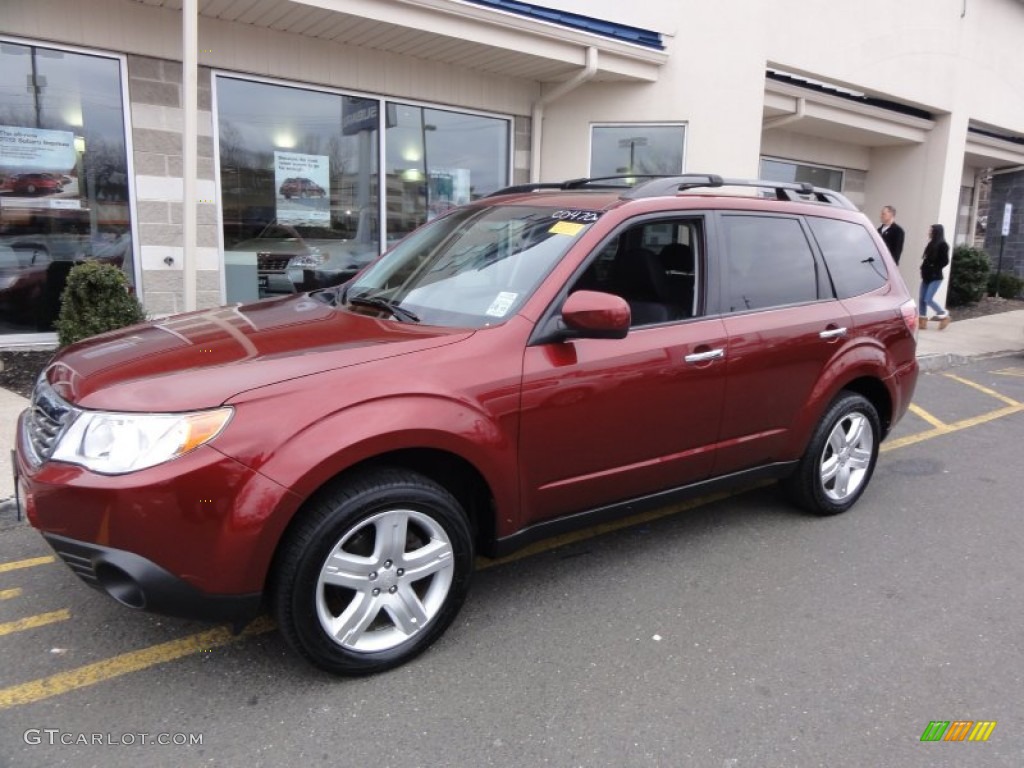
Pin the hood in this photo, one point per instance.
(201, 359)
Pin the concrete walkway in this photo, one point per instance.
(983, 336)
(963, 340)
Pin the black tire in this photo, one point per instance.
(836, 442)
(344, 523)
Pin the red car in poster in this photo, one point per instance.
(37, 184)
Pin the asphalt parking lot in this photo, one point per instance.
(736, 632)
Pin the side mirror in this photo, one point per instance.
(596, 315)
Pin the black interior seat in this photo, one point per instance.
(680, 270)
(638, 276)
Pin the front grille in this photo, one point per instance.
(268, 263)
(48, 417)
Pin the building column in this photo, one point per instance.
(922, 181)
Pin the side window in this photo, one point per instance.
(768, 263)
(850, 255)
(654, 267)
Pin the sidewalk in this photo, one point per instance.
(1002, 333)
(997, 334)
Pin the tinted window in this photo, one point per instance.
(850, 256)
(654, 266)
(768, 263)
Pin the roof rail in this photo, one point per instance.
(783, 190)
(582, 183)
(657, 185)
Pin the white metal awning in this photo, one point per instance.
(448, 31)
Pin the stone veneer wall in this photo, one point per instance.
(154, 88)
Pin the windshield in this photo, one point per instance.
(474, 267)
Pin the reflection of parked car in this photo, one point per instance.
(37, 184)
(34, 268)
(291, 258)
(301, 187)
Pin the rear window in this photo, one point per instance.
(851, 256)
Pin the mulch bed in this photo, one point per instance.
(21, 368)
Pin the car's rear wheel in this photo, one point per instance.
(840, 457)
(373, 573)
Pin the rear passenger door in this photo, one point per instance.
(784, 326)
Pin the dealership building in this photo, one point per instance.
(225, 150)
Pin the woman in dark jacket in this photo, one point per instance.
(936, 257)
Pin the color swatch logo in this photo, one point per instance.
(958, 730)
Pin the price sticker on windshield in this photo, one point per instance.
(566, 228)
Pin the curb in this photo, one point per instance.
(941, 360)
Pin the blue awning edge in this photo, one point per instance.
(623, 32)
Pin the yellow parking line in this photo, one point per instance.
(123, 664)
(9, 594)
(16, 564)
(980, 388)
(956, 426)
(1010, 372)
(919, 411)
(32, 622)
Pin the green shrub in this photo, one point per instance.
(95, 300)
(968, 276)
(1010, 286)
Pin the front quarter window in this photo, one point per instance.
(474, 267)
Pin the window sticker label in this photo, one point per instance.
(566, 228)
(502, 303)
(584, 217)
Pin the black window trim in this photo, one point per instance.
(549, 327)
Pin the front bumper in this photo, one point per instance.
(140, 583)
(200, 530)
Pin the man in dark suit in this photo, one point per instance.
(891, 232)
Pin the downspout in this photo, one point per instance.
(776, 122)
(189, 154)
(577, 80)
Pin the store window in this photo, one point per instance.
(640, 148)
(301, 183)
(299, 187)
(819, 176)
(64, 194)
(439, 159)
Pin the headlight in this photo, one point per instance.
(116, 443)
(308, 260)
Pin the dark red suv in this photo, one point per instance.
(542, 359)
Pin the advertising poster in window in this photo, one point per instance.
(38, 168)
(303, 188)
(447, 189)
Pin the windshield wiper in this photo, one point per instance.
(326, 295)
(379, 302)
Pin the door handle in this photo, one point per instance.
(703, 357)
(834, 333)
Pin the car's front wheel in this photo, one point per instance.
(840, 457)
(373, 573)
